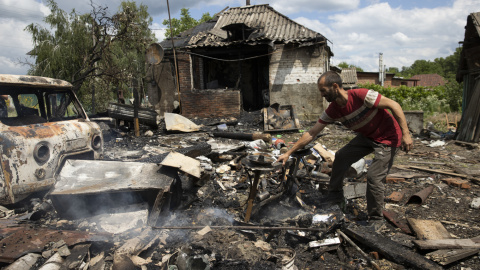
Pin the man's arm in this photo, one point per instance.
(306, 138)
(396, 109)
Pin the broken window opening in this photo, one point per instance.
(238, 31)
(249, 76)
(61, 107)
(27, 107)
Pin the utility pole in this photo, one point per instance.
(95, 68)
(381, 70)
(174, 57)
(136, 103)
(384, 73)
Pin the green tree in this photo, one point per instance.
(59, 54)
(449, 64)
(421, 67)
(445, 98)
(445, 67)
(91, 50)
(394, 70)
(184, 23)
(127, 56)
(453, 94)
(346, 65)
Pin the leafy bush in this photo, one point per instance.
(437, 99)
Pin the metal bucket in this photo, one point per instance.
(287, 256)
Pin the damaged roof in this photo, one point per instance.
(256, 23)
(349, 77)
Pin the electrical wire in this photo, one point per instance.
(241, 59)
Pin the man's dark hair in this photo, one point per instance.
(331, 77)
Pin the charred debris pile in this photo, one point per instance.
(208, 194)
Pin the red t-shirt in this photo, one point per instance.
(362, 115)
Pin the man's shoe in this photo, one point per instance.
(334, 199)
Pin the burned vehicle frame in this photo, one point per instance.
(42, 123)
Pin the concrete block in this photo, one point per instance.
(414, 121)
(355, 191)
(475, 204)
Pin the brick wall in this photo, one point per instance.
(197, 68)
(184, 74)
(372, 77)
(211, 103)
(429, 80)
(204, 103)
(293, 65)
(293, 75)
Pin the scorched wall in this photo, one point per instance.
(293, 78)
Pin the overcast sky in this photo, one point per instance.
(358, 30)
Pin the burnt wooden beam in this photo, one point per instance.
(472, 179)
(428, 229)
(469, 145)
(448, 256)
(372, 262)
(448, 243)
(156, 208)
(244, 136)
(390, 249)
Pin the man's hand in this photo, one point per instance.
(394, 107)
(407, 143)
(283, 159)
(304, 140)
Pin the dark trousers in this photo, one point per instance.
(356, 149)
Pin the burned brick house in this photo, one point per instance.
(246, 58)
(428, 80)
(469, 73)
(389, 81)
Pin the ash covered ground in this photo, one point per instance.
(218, 200)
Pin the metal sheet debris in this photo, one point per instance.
(186, 164)
(19, 241)
(86, 188)
(176, 122)
(25, 263)
(53, 263)
(122, 219)
(355, 191)
(90, 177)
(126, 112)
(77, 256)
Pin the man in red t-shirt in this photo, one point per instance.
(380, 132)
